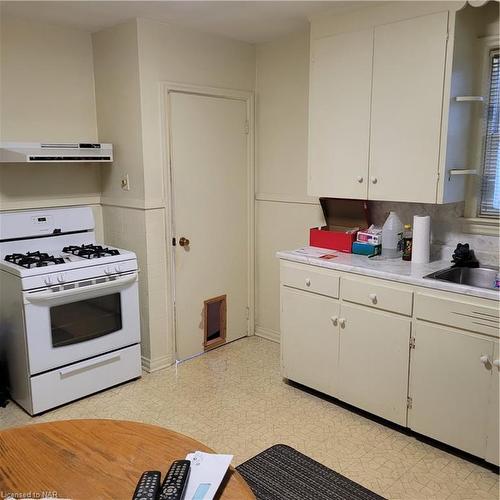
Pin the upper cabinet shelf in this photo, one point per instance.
(383, 124)
(29, 152)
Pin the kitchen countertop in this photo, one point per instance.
(389, 269)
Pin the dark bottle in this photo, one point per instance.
(407, 242)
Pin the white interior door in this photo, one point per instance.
(209, 167)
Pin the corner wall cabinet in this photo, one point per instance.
(422, 358)
(384, 123)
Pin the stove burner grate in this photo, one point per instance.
(33, 259)
(90, 251)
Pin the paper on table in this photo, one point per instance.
(206, 475)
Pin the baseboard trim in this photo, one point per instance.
(154, 365)
(267, 333)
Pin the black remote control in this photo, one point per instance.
(175, 482)
(148, 486)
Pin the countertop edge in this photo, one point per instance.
(391, 276)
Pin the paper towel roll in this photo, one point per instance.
(421, 245)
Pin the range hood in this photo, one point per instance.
(32, 152)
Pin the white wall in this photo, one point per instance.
(46, 94)
(284, 211)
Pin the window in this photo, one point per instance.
(490, 185)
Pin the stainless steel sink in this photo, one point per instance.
(481, 277)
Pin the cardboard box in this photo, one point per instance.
(344, 218)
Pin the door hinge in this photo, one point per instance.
(246, 127)
(409, 402)
(412, 342)
(174, 242)
(248, 312)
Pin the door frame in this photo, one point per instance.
(167, 88)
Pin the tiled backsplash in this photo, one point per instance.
(446, 228)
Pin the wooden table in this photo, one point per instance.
(95, 459)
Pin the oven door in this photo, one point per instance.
(76, 321)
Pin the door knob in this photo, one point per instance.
(335, 320)
(374, 180)
(342, 322)
(360, 179)
(183, 242)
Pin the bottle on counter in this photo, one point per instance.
(392, 237)
(407, 242)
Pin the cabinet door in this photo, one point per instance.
(339, 114)
(492, 435)
(309, 338)
(449, 386)
(408, 78)
(373, 361)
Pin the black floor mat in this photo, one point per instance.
(282, 473)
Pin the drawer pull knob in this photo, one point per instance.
(308, 282)
(373, 297)
(497, 363)
(335, 320)
(484, 359)
(342, 322)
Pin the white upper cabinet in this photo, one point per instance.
(339, 114)
(384, 123)
(408, 75)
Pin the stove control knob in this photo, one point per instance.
(118, 269)
(49, 280)
(61, 278)
(108, 270)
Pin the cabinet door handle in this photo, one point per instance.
(335, 320)
(342, 322)
(308, 282)
(360, 179)
(497, 363)
(484, 359)
(374, 180)
(373, 297)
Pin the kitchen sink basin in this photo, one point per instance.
(481, 277)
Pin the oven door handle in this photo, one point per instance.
(44, 297)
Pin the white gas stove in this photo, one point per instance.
(69, 308)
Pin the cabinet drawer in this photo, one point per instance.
(63, 385)
(464, 315)
(384, 297)
(312, 279)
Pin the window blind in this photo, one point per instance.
(490, 188)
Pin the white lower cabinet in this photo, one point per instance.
(450, 386)
(425, 360)
(373, 361)
(492, 424)
(310, 338)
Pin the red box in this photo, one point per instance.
(344, 218)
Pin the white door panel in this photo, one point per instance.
(408, 78)
(449, 386)
(339, 115)
(210, 175)
(493, 411)
(373, 366)
(309, 338)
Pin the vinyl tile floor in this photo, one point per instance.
(234, 400)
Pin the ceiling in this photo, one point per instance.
(248, 21)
